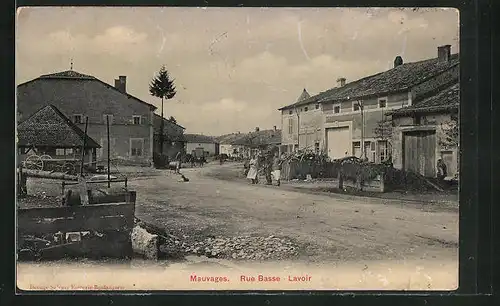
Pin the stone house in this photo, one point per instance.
(422, 133)
(197, 143)
(173, 137)
(79, 96)
(338, 120)
(49, 132)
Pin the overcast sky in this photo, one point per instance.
(233, 67)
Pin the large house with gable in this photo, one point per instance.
(337, 120)
(79, 96)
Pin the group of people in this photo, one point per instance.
(270, 165)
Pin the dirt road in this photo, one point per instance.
(327, 228)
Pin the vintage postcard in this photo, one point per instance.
(237, 148)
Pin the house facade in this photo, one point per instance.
(426, 132)
(79, 96)
(201, 143)
(173, 137)
(349, 119)
(228, 145)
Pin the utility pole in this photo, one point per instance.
(109, 147)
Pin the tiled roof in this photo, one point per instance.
(49, 127)
(69, 74)
(158, 117)
(264, 137)
(230, 138)
(197, 138)
(77, 76)
(446, 99)
(396, 79)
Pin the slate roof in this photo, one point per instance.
(49, 127)
(396, 79)
(260, 138)
(444, 100)
(77, 76)
(197, 138)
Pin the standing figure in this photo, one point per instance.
(253, 169)
(442, 171)
(178, 157)
(276, 167)
(268, 160)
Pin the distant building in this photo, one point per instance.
(49, 132)
(259, 140)
(197, 143)
(331, 121)
(228, 146)
(173, 140)
(79, 96)
(419, 137)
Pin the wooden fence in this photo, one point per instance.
(109, 225)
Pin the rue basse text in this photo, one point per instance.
(264, 278)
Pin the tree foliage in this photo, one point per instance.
(451, 133)
(384, 129)
(162, 86)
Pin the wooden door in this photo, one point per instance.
(420, 152)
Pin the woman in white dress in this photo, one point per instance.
(254, 167)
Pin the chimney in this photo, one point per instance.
(257, 129)
(121, 83)
(340, 82)
(444, 53)
(398, 61)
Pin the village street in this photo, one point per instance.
(327, 228)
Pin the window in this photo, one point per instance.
(417, 120)
(77, 118)
(290, 112)
(306, 108)
(290, 126)
(316, 147)
(336, 109)
(355, 106)
(136, 120)
(317, 106)
(136, 147)
(110, 118)
(60, 152)
(382, 148)
(69, 151)
(382, 103)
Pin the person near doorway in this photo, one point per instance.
(441, 169)
(276, 168)
(253, 169)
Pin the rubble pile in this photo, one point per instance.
(243, 247)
